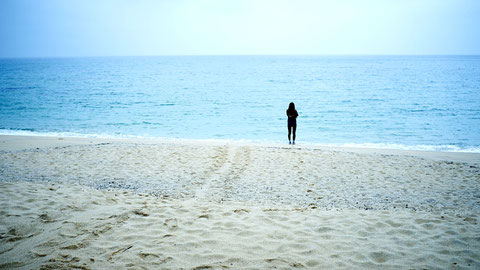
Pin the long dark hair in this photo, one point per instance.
(291, 108)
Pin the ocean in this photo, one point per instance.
(401, 102)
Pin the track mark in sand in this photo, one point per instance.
(229, 164)
(219, 159)
(110, 257)
(171, 224)
(11, 265)
(145, 255)
(241, 161)
(64, 262)
(281, 261)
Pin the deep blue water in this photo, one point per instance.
(417, 102)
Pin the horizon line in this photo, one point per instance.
(210, 55)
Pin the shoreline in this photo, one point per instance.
(22, 142)
(386, 146)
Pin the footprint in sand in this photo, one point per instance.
(379, 257)
(171, 223)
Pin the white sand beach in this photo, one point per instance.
(93, 203)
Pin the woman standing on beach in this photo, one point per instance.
(292, 121)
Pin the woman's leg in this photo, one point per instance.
(289, 132)
(294, 130)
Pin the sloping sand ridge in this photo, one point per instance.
(97, 203)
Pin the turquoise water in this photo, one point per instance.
(413, 102)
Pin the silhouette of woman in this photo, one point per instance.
(292, 121)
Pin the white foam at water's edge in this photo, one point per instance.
(435, 148)
(421, 147)
(63, 134)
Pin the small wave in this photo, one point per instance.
(420, 147)
(17, 88)
(27, 132)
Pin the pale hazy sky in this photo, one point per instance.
(186, 27)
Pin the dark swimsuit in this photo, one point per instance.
(292, 121)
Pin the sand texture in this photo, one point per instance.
(143, 204)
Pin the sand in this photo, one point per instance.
(142, 203)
